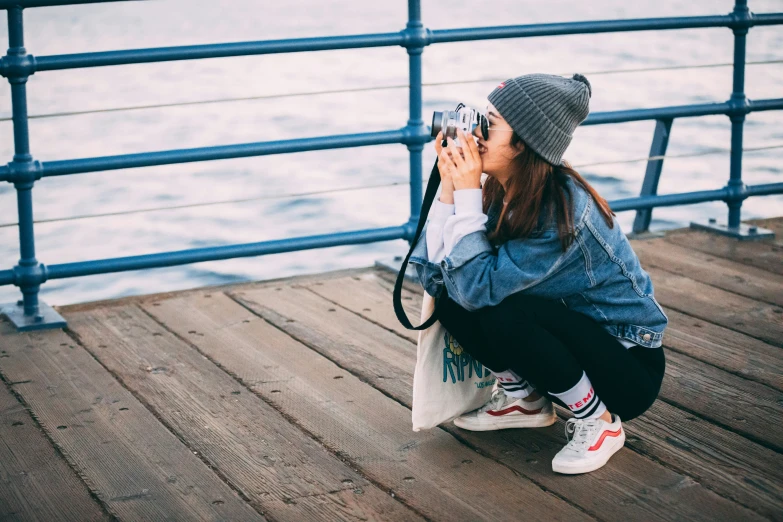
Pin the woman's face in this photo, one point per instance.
(496, 151)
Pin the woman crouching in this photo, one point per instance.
(537, 281)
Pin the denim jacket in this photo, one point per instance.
(599, 275)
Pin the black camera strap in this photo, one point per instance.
(429, 196)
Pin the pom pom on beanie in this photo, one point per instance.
(578, 77)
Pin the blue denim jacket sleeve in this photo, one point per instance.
(476, 276)
(429, 273)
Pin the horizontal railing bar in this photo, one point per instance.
(775, 104)
(667, 200)
(24, 4)
(571, 28)
(669, 157)
(148, 159)
(768, 189)
(195, 52)
(6, 277)
(61, 219)
(198, 255)
(677, 111)
(689, 198)
(224, 50)
(758, 19)
(367, 89)
(768, 19)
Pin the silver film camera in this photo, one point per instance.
(463, 118)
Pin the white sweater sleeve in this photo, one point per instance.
(439, 213)
(469, 217)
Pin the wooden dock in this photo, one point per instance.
(290, 400)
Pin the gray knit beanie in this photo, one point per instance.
(544, 110)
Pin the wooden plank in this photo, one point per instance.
(726, 349)
(358, 503)
(429, 471)
(285, 473)
(638, 488)
(748, 481)
(760, 254)
(760, 320)
(34, 479)
(749, 281)
(139, 299)
(374, 305)
(717, 458)
(135, 466)
(391, 278)
(749, 408)
(344, 330)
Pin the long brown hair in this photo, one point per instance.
(536, 186)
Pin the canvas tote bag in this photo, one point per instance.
(447, 381)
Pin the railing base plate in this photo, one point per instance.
(743, 233)
(49, 318)
(394, 265)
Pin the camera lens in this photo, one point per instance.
(437, 123)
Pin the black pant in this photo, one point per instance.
(550, 346)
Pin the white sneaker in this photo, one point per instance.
(593, 442)
(502, 411)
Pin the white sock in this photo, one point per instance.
(513, 385)
(582, 400)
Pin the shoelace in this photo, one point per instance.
(582, 430)
(496, 401)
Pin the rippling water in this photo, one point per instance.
(178, 22)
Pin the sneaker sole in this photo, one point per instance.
(507, 423)
(592, 466)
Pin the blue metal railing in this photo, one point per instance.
(17, 65)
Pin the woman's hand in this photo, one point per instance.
(447, 185)
(462, 166)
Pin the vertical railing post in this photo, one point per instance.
(22, 159)
(739, 106)
(415, 126)
(29, 313)
(739, 101)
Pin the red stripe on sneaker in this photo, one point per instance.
(605, 434)
(521, 410)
